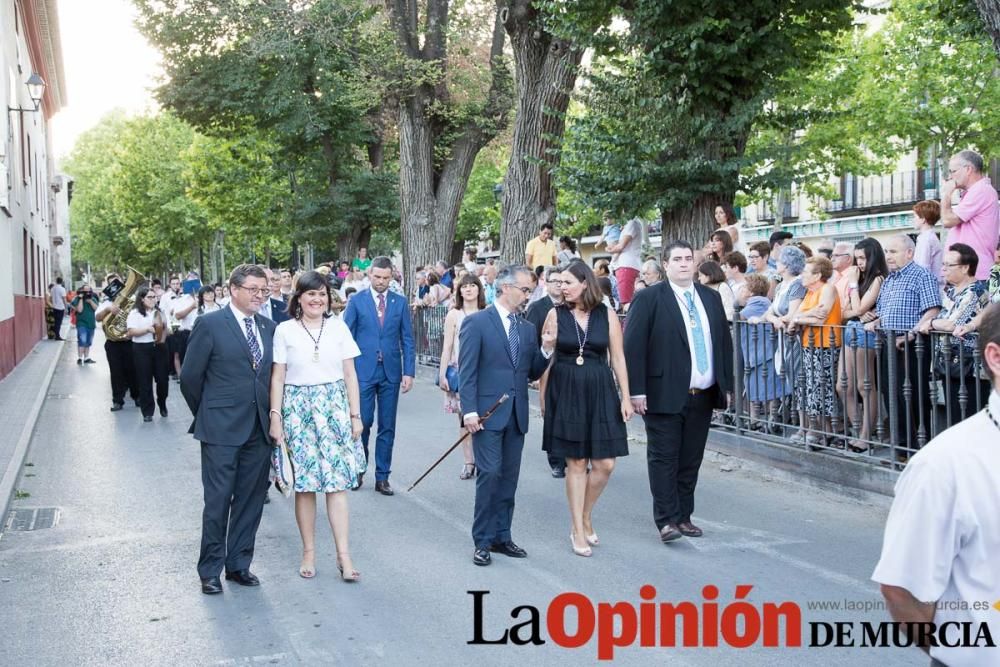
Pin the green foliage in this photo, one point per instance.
(308, 77)
(926, 84)
(130, 205)
(480, 210)
(675, 89)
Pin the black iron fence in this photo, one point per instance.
(874, 396)
(878, 395)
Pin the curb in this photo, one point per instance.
(13, 472)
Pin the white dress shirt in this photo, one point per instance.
(942, 536)
(374, 294)
(504, 319)
(698, 380)
(167, 300)
(240, 316)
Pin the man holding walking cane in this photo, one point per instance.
(498, 355)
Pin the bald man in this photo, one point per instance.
(909, 298)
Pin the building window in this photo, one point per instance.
(24, 261)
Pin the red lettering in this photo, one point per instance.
(607, 640)
(555, 620)
(710, 617)
(668, 623)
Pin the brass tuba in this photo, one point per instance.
(114, 325)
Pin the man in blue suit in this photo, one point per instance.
(499, 354)
(274, 307)
(379, 320)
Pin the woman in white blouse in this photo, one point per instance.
(316, 410)
(145, 325)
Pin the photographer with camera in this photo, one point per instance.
(85, 305)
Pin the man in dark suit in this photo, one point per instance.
(679, 353)
(536, 314)
(274, 307)
(498, 354)
(225, 381)
(379, 320)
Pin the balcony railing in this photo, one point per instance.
(865, 192)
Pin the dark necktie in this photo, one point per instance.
(381, 309)
(252, 342)
(513, 342)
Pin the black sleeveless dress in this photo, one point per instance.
(583, 418)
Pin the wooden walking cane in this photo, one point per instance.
(488, 414)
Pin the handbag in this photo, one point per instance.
(951, 362)
(284, 469)
(451, 375)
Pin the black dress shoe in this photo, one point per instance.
(267, 497)
(482, 557)
(115, 407)
(163, 411)
(211, 586)
(383, 487)
(688, 529)
(669, 533)
(243, 578)
(558, 472)
(137, 403)
(509, 549)
(147, 418)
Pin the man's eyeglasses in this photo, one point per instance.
(955, 170)
(950, 266)
(525, 290)
(841, 254)
(753, 257)
(254, 291)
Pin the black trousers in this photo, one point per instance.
(674, 450)
(57, 320)
(897, 367)
(144, 355)
(234, 480)
(179, 342)
(122, 367)
(161, 373)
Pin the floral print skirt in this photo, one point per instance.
(317, 421)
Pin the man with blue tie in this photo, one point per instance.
(679, 354)
(379, 320)
(225, 380)
(499, 354)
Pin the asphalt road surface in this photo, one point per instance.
(114, 582)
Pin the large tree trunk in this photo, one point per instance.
(431, 192)
(545, 73)
(693, 223)
(989, 10)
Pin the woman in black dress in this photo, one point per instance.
(584, 414)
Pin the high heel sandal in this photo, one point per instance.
(468, 471)
(586, 552)
(307, 572)
(592, 539)
(351, 576)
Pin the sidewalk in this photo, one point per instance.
(22, 394)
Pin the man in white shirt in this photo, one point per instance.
(167, 301)
(185, 312)
(58, 296)
(677, 329)
(941, 554)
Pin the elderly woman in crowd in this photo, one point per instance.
(820, 348)
(953, 357)
(316, 413)
(787, 299)
(711, 275)
(857, 363)
(652, 272)
(758, 342)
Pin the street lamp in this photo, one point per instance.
(36, 88)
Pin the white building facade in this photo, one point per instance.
(33, 226)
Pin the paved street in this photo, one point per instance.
(115, 582)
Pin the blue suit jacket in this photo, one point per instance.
(486, 371)
(279, 310)
(394, 339)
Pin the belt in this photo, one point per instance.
(694, 391)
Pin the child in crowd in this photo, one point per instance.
(929, 253)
